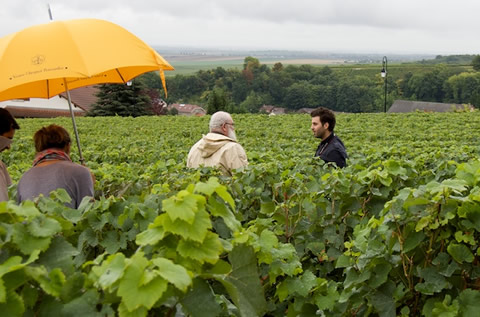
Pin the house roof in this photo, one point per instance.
(187, 109)
(403, 106)
(272, 109)
(267, 108)
(305, 110)
(35, 112)
(83, 97)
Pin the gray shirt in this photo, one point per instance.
(75, 179)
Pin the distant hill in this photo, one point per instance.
(449, 59)
(202, 54)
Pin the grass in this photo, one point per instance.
(183, 67)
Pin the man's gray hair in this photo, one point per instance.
(218, 119)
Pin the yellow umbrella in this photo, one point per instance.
(45, 60)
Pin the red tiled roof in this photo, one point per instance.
(83, 97)
(186, 108)
(32, 112)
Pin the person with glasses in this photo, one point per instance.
(8, 125)
(219, 147)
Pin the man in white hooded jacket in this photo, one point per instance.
(219, 147)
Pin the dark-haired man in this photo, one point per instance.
(331, 149)
(8, 125)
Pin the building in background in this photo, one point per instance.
(57, 106)
(403, 106)
(187, 110)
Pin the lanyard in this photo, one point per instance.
(323, 148)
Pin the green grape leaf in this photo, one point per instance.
(26, 242)
(469, 300)
(124, 312)
(111, 270)
(460, 252)
(3, 292)
(433, 281)
(207, 188)
(196, 231)
(43, 227)
(74, 287)
(174, 273)
(52, 283)
(133, 294)
(243, 283)
(223, 193)
(59, 255)
(207, 251)
(84, 305)
(110, 241)
(201, 295)
(13, 306)
(327, 300)
(150, 236)
(26, 209)
(182, 206)
(218, 209)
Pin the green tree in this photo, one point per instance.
(252, 103)
(464, 88)
(278, 67)
(428, 86)
(122, 100)
(173, 112)
(217, 101)
(151, 80)
(476, 63)
(251, 63)
(356, 95)
(298, 96)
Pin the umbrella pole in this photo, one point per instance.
(82, 160)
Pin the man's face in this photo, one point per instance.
(230, 130)
(9, 135)
(319, 130)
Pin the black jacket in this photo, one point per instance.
(332, 150)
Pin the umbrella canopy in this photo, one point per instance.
(41, 60)
(45, 60)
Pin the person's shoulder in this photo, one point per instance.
(73, 167)
(233, 145)
(337, 141)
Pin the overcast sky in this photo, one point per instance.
(363, 26)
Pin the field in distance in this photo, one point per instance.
(190, 61)
(190, 64)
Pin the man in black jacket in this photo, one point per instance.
(331, 149)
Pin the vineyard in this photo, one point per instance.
(396, 233)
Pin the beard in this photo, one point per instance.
(231, 134)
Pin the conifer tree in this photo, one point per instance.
(122, 100)
(217, 101)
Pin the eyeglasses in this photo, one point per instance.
(232, 124)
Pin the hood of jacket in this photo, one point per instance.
(212, 142)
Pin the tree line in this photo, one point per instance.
(293, 87)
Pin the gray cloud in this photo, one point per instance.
(411, 25)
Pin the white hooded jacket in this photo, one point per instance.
(216, 149)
